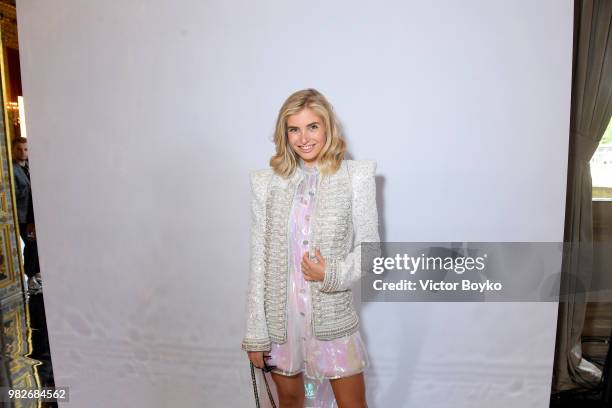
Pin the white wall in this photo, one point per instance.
(145, 118)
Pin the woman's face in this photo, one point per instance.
(306, 135)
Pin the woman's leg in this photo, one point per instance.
(290, 390)
(350, 391)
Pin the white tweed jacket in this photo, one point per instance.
(345, 215)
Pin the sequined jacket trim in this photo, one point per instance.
(345, 215)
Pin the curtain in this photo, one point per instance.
(591, 108)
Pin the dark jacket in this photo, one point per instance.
(23, 195)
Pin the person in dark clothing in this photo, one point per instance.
(25, 212)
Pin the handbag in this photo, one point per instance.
(265, 369)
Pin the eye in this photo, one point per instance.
(292, 130)
(314, 126)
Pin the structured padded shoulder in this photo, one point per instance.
(260, 177)
(361, 168)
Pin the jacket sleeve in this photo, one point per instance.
(340, 274)
(256, 337)
(21, 188)
(30, 213)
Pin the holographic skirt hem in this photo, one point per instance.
(320, 377)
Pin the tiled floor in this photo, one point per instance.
(25, 356)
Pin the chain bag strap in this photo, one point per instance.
(263, 373)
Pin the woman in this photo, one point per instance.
(306, 210)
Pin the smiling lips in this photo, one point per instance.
(307, 148)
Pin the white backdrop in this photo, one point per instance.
(145, 118)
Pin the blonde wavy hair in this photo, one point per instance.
(285, 161)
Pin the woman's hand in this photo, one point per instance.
(257, 358)
(313, 270)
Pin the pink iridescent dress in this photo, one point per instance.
(319, 360)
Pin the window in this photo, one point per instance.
(601, 168)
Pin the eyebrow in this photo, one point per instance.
(313, 123)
